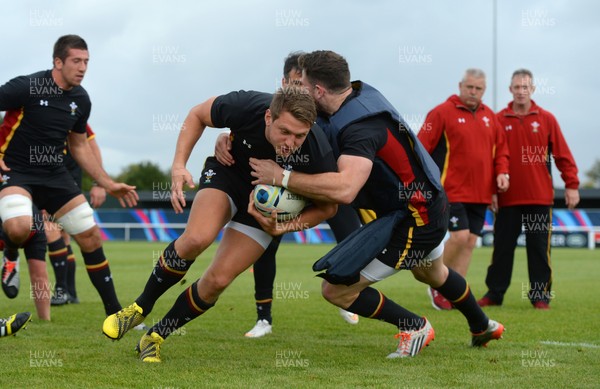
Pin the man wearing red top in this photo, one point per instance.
(466, 141)
(533, 136)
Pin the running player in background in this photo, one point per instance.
(45, 110)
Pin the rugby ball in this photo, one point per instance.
(288, 205)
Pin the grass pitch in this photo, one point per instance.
(311, 346)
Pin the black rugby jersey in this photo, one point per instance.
(408, 185)
(39, 116)
(243, 112)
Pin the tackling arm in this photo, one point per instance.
(337, 187)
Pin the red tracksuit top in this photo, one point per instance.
(534, 140)
(469, 148)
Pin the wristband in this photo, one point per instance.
(286, 178)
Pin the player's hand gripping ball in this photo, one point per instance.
(287, 204)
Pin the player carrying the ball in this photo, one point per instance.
(381, 166)
(264, 126)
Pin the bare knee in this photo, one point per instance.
(434, 276)
(17, 230)
(190, 247)
(339, 295)
(328, 292)
(460, 238)
(212, 285)
(89, 240)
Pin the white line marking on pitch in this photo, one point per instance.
(554, 343)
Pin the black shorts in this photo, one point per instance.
(217, 176)
(49, 191)
(411, 244)
(467, 216)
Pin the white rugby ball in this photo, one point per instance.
(287, 204)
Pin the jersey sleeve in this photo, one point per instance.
(14, 94)
(234, 109)
(89, 132)
(363, 139)
(563, 158)
(81, 125)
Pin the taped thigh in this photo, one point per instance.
(78, 220)
(15, 205)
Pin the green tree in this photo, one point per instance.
(593, 176)
(145, 176)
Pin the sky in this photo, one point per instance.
(152, 61)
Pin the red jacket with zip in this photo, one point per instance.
(534, 139)
(469, 147)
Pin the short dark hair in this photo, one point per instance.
(295, 100)
(522, 72)
(66, 42)
(291, 63)
(327, 69)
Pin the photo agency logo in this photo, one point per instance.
(290, 358)
(181, 331)
(43, 222)
(290, 18)
(46, 156)
(291, 157)
(170, 259)
(414, 191)
(537, 358)
(44, 358)
(415, 122)
(414, 54)
(41, 290)
(535, 155)
(543, 86)
(536, 291)
(291, 223)
(406, 323)
(536, 18)
(156, 254)
(290, 291)
(536, 223)
(168, 54)
(414, 258)
(44, 18)
(162, 191)
(43, 88)
(167, 122)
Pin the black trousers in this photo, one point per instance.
(537, 223)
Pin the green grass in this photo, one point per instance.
(311, 347)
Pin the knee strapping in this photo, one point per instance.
(78, 220)
(15, 205)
